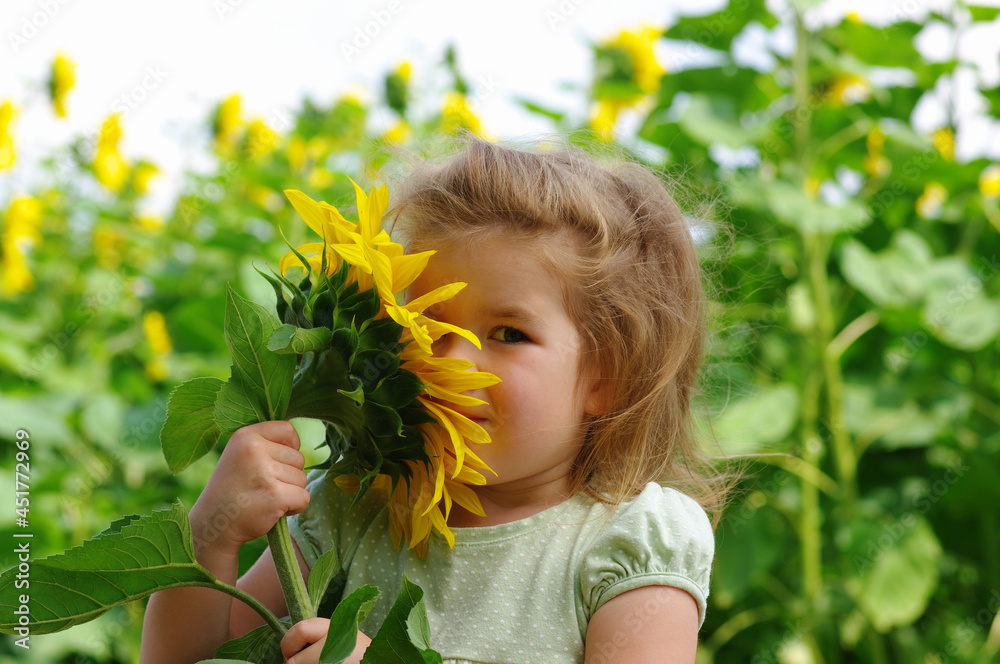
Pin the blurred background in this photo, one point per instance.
(841, 163)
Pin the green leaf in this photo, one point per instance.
(794, 208)
(342, 637)
(895, 277)
(956, 310)
(267, 375)
(299, 340)
(712, 119)
(216, 660)
(718, 29)
(764, 418)
(899, 572)
(405, 635)
(190, 430)
(326, 569)
(133, 558)
(260, 645)
(888, 46)
(980, 13)
(540, 110)
(236, 407)
(101, 419)
(754, 537)
(968, 323)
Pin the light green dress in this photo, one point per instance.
(521, 591)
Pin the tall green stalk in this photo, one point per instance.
(815, 255)
(293, 586)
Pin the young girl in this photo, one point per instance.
(585, 292)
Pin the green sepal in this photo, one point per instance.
(345, 342)
(371, 366)
(381, 334)
(382, 421)
(397, 390)
(289, 339)
(357, 395)
(282, 300)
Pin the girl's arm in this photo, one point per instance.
(258, 479)
(652, 624)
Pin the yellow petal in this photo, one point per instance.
(406, 268)
(456, 440)
(452, 397)
(441, 294)
(439, 522)
(462, 381)
(381, 272)
(437, 329)
(354, 255)
(448, 364)
(310, 211)
(466, 497)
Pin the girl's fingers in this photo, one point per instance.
(302, 634)
(287, 456)
(297, 502)
(279, 431)
(289, 475)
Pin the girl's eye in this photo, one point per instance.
(508, 335)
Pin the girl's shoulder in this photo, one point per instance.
(660, 537)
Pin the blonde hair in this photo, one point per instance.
(633, 288)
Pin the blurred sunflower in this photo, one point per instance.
(61, 81)
(109, 165)
(930, 202)
(7, 154)
(876, 163)
(226, 124)
(626, 73)
(457, 115)
(261, 139)
(944, 142)
(143, 173)
(844, 89)
(20, 235)
(439, 474)
(397, 92)
(154, 327)
(989, 181)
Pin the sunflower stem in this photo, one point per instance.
(289, 575)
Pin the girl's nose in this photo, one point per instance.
(453, 345)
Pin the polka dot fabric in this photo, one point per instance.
(521, 591)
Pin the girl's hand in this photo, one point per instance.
(258, 480)
(312, 633)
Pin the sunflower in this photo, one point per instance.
(61, 81)
(109, 165)
(381, 357)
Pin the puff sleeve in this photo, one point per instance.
(661, 538)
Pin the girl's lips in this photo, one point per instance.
(475, 418)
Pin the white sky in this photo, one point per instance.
(176, 60)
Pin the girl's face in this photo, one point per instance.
(514, 305)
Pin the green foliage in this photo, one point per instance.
(130, 560)
(405, 637)
(855, 332)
